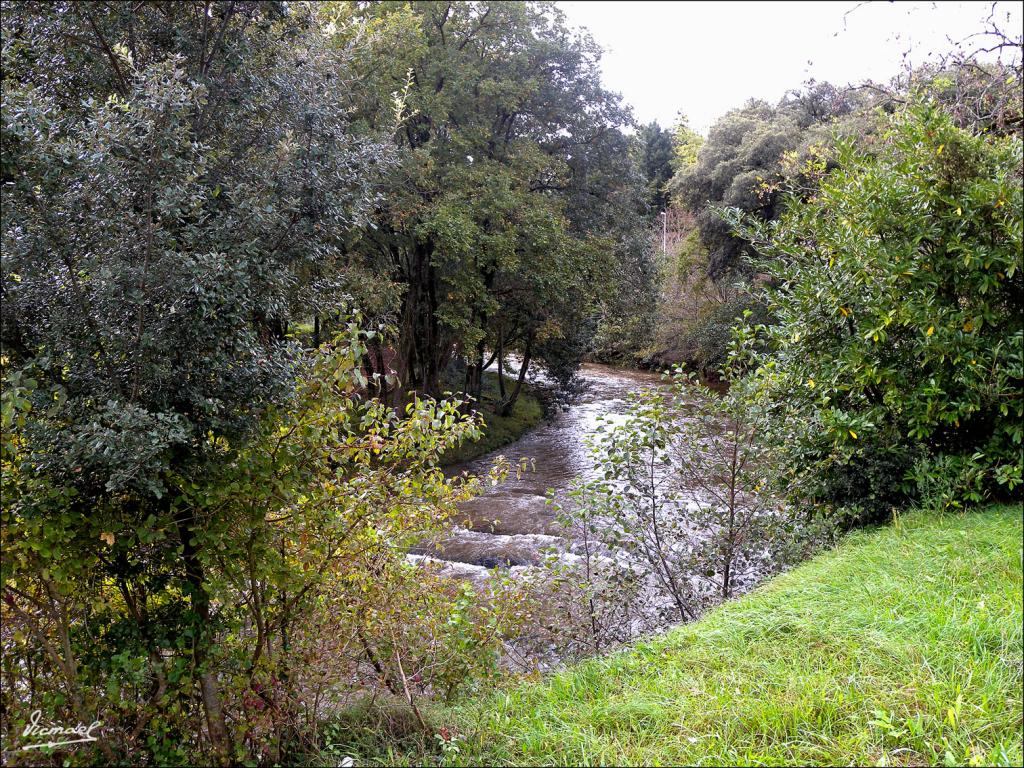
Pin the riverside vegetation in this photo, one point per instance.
(247, 249)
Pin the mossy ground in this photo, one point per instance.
(499, 430)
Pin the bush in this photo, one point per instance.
(677, 515)
(300, 535)
(900, 315)
(705, 347)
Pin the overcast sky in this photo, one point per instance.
(705, 58)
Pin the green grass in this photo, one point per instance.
(499, 430)
(902, 646)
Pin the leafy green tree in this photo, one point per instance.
(678, 515)
(171, 173)
(740, 154)
(502, 219)
(742, 160)
(628, 317)
(900, 318)
(304, 526)
(686, 144)
(750, 155)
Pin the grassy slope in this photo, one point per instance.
(903, 646)
(500, 430)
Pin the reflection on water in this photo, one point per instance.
(511, 524)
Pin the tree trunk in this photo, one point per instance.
(435, 354)
(215, 723)
(730, 541)
(404, 352)
(727, 578)
(509, 404)
(384, 387)
(478, 384)
(501, 363)
(194, 578)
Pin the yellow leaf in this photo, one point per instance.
(931, 329)
(951, 716)
(969, 326)
(107, 537)
(853, 434)
(959, 211)
(810, 383)
(941, 147)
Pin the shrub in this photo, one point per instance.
(300, 535)
(678, 515)
(900, 314)
(706, 345)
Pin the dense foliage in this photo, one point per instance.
(686, 144)
(152, 235)
(249, 247)
(745, 162)
(743, 156)
(899, 340)
(199, 633)
(169, 173)
(515, 207)
(656, 148)
(753, 155)
(189, 496)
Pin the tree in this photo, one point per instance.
(656, 150)
(304, 526)
(629, 312)
(686, 144)
(680, 503)
(899, 314)
(501, 223)
(749, 156)
(742, 159)
(171, 173)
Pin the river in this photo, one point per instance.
(512, 524)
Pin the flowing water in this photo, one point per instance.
(512, 524)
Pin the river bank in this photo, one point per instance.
(499, 430)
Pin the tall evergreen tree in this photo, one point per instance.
(656, 160)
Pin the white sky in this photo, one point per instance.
(705, 58)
